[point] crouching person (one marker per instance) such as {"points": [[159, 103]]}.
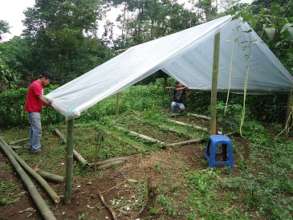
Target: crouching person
{"points": [[177, 104], [34, 103]]}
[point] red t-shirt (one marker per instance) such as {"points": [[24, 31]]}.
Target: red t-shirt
{"points": [[33, 102]]}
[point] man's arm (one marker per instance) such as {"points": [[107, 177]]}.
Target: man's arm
{"points": [[180, 88], [44, 100]]}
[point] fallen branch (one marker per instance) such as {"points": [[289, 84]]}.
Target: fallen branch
{"points": [[141, 136], [18, 141], [193, 141], [39, 201], [51, 176], [107, 206], [199, 116], [53, 195], [188, 125], [76, 155]]}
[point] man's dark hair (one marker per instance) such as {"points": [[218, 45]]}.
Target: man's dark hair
{"points": [[45, 75]]}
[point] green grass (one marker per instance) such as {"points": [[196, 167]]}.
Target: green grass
{"points": [[8, 193]]}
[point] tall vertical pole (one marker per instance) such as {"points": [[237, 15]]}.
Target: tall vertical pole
{"points": [[69, 162], [117, 103], [289, 116], [213, 108]]}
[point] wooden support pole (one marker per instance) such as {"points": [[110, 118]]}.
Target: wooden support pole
{"points": [[117, 103], [69, 162], [289, 116], [213, 107]]}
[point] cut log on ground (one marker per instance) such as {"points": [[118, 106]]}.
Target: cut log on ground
{"points": [[18, 141], [193, 141], [199, 116], [36, 197], [50, 176], [113, 215], [53, 195], [141, 136], [188, 125], [76, 155]]}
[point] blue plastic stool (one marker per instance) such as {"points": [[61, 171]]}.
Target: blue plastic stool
{"points": [[227, 151]]}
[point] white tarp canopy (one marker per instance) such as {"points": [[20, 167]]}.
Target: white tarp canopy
{"points": [[188, 57]]}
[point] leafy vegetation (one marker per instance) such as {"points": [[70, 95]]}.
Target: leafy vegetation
{"points": [[63, 37]]}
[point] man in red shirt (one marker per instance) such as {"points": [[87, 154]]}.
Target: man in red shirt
{"points": [[33, 105]]}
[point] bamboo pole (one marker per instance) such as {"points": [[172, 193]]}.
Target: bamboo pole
{"points": [[141, 136], [289, 117], [79, 158], [188, 125], [138, 148], [51, 176], [18, 141], [76, 155], [36, 197], [53, 195], [199, 116], [213, 109], [69, 162], [117, 103], [60, 135], [193, 141]]}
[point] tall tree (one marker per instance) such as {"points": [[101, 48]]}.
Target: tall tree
{"points": [[63, 37], [150, 19]]}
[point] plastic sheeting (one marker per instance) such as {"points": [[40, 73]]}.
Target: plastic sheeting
{"points": [[187, 56]]}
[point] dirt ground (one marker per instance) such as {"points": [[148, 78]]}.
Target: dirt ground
{"points": [[114, 183]]}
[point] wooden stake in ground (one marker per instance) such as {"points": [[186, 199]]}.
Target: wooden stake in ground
{"points": [[36, 197], [213, 108], [69, 162]]}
